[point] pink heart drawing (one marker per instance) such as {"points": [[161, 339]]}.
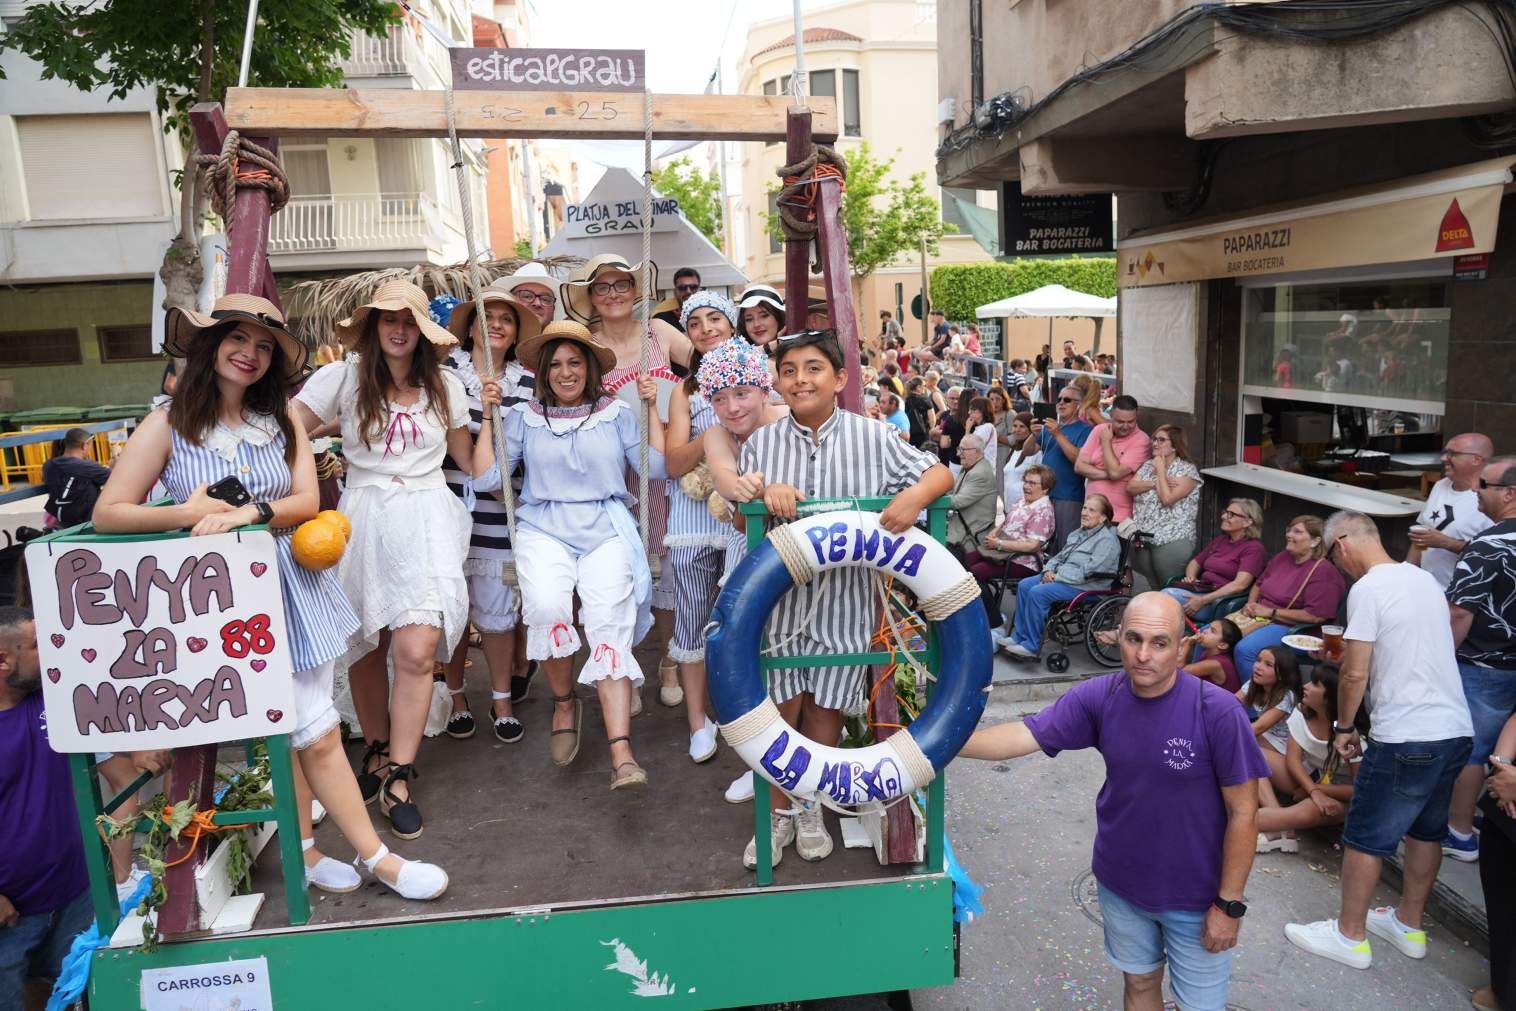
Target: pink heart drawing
{"points": [[53, 674], [274, 715], [258, 568], [88, 654], [57, 638], [195, 643], [258, 665]]}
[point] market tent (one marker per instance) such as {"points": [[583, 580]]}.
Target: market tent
{"points": [[1050, 300], [609, 221]]}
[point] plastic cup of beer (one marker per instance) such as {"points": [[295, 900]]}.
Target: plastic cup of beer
{"points": [[1331, 642]]}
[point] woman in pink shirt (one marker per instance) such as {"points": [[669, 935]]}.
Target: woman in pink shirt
{"points": [[1300, 586]]}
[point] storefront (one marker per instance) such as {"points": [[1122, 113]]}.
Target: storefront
{"points": [[1322, 334]]}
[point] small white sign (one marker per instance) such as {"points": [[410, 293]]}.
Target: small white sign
{"points": [[161, 643], [240, 985]]}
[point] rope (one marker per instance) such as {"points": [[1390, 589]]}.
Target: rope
{"points": [[750, 724], [241, 163], [951, 600], [199, 827], [644, 506], [912, 761], [797, 199], [792, 553], [497, 425]]}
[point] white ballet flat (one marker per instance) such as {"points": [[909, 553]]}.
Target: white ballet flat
{"points": [[417, 880]]}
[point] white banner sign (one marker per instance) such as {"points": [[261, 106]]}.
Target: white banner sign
{"points": [[161, 643], [618, 217], [237, 985]]}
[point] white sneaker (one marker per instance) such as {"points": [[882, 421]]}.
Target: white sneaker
{"points": [[1014, 648], [741, 789], [703, 743], [416, 880], [333, 876], [1324, 939], [124, 889], [781, 834], [812, 840], [1384, 922], [318, 812], [1283, 844]]}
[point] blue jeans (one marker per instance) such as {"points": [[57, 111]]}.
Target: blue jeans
{"points": [[1202, 616], [1138, 941], [1491, 694], [35, 946], [1403, 790], [1034, 599], [1245, 653]]}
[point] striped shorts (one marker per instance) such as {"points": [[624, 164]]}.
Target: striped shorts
{"points": [[696, 571]]}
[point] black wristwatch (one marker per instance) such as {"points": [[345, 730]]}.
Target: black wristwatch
{"points": [[265, 512], [1233, 908], [1336, 730]]}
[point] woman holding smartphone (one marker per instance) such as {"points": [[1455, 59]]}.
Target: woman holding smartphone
{"points": [[228, 426]]}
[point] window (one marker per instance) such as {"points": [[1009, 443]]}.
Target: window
{"points": [[126, 343], [306, 168], [776, 243], [771, 87], [39, 347], [951, 212], [824, 83], [399, 162], [852, 119], [67, 178]]}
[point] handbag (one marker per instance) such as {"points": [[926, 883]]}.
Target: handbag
{"points": [[1251, 623]]}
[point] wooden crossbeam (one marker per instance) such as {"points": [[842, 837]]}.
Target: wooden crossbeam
{"points": [[346, 112]]}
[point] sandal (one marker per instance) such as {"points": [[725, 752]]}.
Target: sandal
{"points": [[635, 776], [369, 782], [563, 745], [508, 729], [460, 722], [404, 815], [670, 694]]}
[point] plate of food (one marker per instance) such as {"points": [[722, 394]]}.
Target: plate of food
{"points": [[1304, 643]]}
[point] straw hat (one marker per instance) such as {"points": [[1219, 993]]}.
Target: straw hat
{"points": [[182, 326], [529, 351], [389, 297], [576, 290], [463, 314]]}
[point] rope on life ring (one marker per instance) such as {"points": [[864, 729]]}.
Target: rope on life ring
{"points": [[795, 554]]}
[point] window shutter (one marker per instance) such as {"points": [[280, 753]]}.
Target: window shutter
{"points": [[68, 176]]}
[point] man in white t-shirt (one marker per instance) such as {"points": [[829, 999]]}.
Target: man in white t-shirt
{"points": [[1399, 647], [1451, 517]]}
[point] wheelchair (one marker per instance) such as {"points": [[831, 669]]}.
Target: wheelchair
{"points": [[1093, 617]]}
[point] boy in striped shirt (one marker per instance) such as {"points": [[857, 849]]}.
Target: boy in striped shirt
{"points": [[820, 451]]}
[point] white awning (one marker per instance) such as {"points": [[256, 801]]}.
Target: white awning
{"points": [[1046, 302]]}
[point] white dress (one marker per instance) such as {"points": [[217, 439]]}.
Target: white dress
{"points": [[404, 563]]}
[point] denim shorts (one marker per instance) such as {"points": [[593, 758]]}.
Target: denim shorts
{"points": [[1403, 790], [35, 946], [1138, 941], [1491, 695]]}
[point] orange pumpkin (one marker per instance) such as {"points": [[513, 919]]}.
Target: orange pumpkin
{"points": [[318, 544]]}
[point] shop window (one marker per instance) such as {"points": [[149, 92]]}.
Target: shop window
{"points": [[39, 347], [126, 343]]}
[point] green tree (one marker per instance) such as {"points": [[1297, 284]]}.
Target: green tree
{"points": [[883, 217], [698, 193], [191, 53]]}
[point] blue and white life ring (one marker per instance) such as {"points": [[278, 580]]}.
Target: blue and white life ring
{"points": [[795, 553]]}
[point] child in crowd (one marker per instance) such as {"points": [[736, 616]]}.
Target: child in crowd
{"points": [[823, 452], [1320, 784], [1269, 698], [1215, 641]]}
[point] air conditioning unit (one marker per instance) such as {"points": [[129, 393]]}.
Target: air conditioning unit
{"points": [[945, 110]]}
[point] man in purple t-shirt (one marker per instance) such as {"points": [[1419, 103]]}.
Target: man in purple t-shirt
{"points": [[1176, 821]]}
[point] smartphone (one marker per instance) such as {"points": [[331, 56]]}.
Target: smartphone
{"points": [[229, 490], [1044, 412]]}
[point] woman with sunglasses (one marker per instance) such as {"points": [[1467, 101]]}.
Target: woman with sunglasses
{"points": [[1227, 566], [1059, 440]]}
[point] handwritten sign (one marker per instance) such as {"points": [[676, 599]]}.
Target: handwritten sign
{"points": [[550, 69], [161, 643], [234, 985], [618, 217]]}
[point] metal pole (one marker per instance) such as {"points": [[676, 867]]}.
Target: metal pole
{"points": [[926, 298], [526, 190], [800, 84], [247, 42], [726, 224]]}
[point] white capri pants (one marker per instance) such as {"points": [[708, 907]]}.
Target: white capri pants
{"points": [[549, 573], [491, 603], [315, 715]]}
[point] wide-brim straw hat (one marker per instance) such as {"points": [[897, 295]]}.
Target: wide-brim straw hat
{"points": [[463, 314], [576, 290], [392, 296], [529, 351], [182, 326]]}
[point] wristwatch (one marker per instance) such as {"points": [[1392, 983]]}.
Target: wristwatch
{"points": [[1233, 908], [265, 512], [1499, 760], [1342, 730]]}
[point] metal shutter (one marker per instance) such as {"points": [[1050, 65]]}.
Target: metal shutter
{"points": [[91, 166]]}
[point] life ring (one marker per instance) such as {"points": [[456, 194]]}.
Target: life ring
{"points": [[947, 596]]}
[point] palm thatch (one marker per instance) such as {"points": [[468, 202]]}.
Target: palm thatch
{"points": [[315, 307]]}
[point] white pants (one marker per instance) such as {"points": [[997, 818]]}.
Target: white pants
{"points": [[315, 715], [491, 603], [549, 573]]}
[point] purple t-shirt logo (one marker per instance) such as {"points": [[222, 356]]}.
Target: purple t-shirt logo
{"points": [[1178, 753]]}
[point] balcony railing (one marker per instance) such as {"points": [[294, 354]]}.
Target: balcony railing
{"points": [[398, 53], [364, 221]]}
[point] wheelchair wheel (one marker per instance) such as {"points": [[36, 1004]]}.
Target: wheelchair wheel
{"points": [[1102, 628], [1057, 662]]}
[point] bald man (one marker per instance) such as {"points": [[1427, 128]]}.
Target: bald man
{"points": [[1451, 517], [1176, 821]]}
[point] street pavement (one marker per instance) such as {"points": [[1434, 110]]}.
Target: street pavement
{"points": [[1024, 829]]}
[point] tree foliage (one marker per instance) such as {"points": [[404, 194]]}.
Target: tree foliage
{"points": [[126, 44], [698, 193], [884, 217], [958, 289]]}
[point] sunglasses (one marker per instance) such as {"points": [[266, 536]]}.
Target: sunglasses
{"points": [[686, 287], [1068, 400], [1487, 485], [532, 298], [621, 287]]}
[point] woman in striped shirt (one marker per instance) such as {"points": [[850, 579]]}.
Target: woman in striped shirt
{"points": [[229, 419]]}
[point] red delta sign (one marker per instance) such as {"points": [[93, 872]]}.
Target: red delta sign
{"points": [[1454, 232]]}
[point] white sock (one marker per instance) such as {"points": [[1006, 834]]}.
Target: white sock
{"points": [[1461, 837], [1345, 938], [306, 844], [1399, 923]]}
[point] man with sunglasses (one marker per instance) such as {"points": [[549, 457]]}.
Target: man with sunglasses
{"points": [[1451, 517], [1059, 440], [686, 283], [1484, 632]]}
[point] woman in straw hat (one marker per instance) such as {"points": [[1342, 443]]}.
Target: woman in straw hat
{"points": [[696, 540], [400, 412], [230, 419], [762, 314], [574, 533], [492, 603], [603, 294]]}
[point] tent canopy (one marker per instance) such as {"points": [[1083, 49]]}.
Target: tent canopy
{"points": [[1048, 301], [607, 221]]}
